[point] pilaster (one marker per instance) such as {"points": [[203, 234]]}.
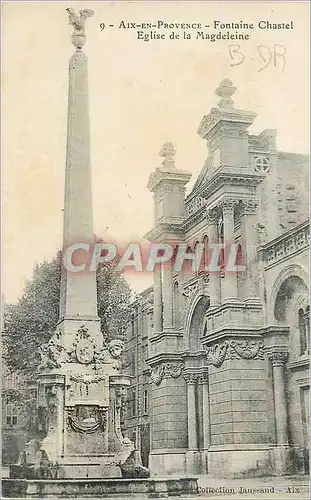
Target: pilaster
{"points": [[229, 283], [249, 248], [212, 217]]}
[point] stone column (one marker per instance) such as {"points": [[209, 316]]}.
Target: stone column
{"points": [[249, 250], [157, 300], [214, 276], [278, 359], [167, 293], [191, 379], [229, 283], [203, 381]]}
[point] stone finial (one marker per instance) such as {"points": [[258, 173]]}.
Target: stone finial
{"points": [[78, 22], [225, 91], [168, 152]]}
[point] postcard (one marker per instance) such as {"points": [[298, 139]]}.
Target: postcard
{"points": [[155, 283]]}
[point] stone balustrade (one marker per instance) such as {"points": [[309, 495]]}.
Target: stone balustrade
{"points": [[286, 245]]}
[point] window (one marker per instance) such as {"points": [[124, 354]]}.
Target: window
{"points": [[304, 326], [221, 241], [261, 164], [133, 364], [132, 328], [11, 415], [145, 401], [205, 260], [133, 404], [10, 380]]}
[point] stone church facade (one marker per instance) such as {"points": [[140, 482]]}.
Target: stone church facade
{"points": [[220, 360]]}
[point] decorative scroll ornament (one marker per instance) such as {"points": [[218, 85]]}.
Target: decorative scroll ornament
{"points": [[235, 349], [84, 348], [166, 370], [87, 419], [87, 379], [199, 286], [157, 374], [216, 354], [195, 204], [248, 349]]}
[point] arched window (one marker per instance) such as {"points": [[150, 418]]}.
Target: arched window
{"points": [[240, 261], [197, 263], [187, 265]]}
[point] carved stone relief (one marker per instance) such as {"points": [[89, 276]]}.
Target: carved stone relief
{"points": [[234, 349], [166, 370]]}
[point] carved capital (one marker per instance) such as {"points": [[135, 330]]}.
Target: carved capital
{"points": [[191, 377], [203, 378], [227, 206], [249, 207], [277, 357], [212, 217]]}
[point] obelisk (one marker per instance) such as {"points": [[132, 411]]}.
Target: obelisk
{"points": [[78, 296]]}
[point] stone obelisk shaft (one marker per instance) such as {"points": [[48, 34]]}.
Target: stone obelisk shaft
{"points": [[78, 298]]}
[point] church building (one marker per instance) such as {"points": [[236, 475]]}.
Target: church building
{"points": [[219, 360]]}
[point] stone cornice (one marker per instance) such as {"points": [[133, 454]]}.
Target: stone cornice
{"points": [[167, 175], [165, 230], [166, 357], [222, 116], [300, 364], [234, 332], [275, 330], [226, 174], [160, 335], [239, 304], [194, 218]]}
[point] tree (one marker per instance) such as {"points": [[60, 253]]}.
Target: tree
{"points": [[32, 321]]}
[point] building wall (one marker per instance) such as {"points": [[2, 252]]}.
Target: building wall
{"points": [[137, 412], [230, 373]]}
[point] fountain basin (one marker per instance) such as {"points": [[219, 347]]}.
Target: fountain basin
{"points": [[155, 487]]}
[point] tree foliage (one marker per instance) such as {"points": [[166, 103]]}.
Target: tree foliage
{"points": [[32, 321]]}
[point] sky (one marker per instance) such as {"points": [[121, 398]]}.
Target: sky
{"points": [[142, 94]]}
